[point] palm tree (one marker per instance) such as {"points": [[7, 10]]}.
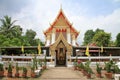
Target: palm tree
{"points": [[7, 28]]}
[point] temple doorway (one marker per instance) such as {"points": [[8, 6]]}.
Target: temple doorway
{"points": [[60, 54]]}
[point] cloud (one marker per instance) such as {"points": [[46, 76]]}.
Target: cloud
{"points": [[38, 14], [110, 23]]}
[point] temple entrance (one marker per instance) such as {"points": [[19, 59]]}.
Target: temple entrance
{"points": [[61, 55]]}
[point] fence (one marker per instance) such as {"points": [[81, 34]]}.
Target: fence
{"points": [[26, 60]]}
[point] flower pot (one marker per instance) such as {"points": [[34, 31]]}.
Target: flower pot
{"points": [[108, 75], [17, 74], [98, 75], [9, 74], [24, 75], [44, 67], [75, 67], [1, 73], [88, 76], [79, 69], [33, 75], [84, 72]]}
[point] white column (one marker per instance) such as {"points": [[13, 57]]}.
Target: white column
{"points": [[68, 36], [73, 40], [53, 36], [48, 40]]}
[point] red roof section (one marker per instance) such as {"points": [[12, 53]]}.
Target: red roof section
{"points": [[68, 23]]}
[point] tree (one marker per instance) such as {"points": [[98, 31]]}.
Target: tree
{"points": [[30, 36], [7, 27], [88, 36], [102, 38], [118, 40]]}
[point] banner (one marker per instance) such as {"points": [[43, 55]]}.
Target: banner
{"points": [[22, 49], [101, 49], [39, 49], [87, 51]]}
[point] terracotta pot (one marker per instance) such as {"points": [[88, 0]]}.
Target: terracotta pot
{"points": [[9, 74], [88, 76], [79, 69], [24, 75], [33, 75], [84, 72], [44, 67], [17, 74], [75, 67], [108, 75], [1, 73], [98, 75]]}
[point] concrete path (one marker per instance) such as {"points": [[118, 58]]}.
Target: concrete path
{"points": [[60, 73]]}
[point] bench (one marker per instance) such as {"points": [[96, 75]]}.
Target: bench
{"points": [[117, 76]]}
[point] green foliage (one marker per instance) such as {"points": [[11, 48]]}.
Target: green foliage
{"points": [[24, 70], [10, 68], [35, 62], [75, 63], [102, 38], [116, 69], [40, 62], [11, 35], [98, 36], [108, 66], [118, 40], [88, 36], [17, 68], [81, 65], [8, 27], [1, 67], [98, 68], [88, 68]]}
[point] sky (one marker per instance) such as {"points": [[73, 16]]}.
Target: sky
{"points": [[84, 14]]}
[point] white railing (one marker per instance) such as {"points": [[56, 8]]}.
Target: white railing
{"points": [[21, 60], [97, 57], [26, 60]]}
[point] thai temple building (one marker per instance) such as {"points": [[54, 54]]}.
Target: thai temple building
{"points": [[61, 48], [60, 38]]}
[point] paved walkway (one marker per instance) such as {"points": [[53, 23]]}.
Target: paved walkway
{"points": [[60, 73]]}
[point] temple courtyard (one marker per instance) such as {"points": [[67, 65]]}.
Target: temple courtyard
{"points": [[59, 73]]}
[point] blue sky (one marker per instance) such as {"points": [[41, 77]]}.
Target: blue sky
{"points": [[84, 14]]}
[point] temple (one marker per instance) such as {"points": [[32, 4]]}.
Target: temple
{"points": [[60, 38]]}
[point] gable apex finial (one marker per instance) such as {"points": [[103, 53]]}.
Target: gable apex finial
{"points": [[60, 6]]}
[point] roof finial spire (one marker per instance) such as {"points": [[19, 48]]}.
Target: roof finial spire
{"points": [[60, 6]]}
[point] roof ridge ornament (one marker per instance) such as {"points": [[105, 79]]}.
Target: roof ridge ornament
{"points": [[61, 7]]}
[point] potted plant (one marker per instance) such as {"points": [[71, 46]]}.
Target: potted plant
{"points": [[115, 69], [33, 71], [98, 69], [40, 63], [75, 65], [108, 66], [1, 70], [9, 70], [17, 71], [89, 72], [24, 74], [88, 69]]}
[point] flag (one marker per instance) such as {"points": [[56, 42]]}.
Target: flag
{"points": [[101, 49], [39, 49], [22, 49], [87, 51]]}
